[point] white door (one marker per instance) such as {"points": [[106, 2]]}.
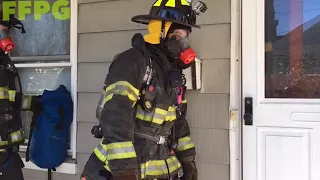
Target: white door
{"points": [[281, 73]]}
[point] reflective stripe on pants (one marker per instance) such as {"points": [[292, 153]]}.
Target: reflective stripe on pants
{"points": [[160, 167]]}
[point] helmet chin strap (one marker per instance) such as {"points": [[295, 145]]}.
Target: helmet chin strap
{"points": [[162, 33], [163, 38]]}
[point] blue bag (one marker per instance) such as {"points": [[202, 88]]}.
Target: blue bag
{"points": [[49, 130]]}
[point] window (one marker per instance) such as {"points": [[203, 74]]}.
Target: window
{"points": [[292, 60], [46, 56]]}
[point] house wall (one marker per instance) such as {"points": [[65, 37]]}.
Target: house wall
{"points": [[104, 31]]}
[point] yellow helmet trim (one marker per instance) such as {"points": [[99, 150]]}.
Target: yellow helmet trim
{"points": [[185, 3], [171, 3], [157, 3]]}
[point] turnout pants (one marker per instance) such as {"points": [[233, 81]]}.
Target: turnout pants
{"points": [[94, 170], [11, 166]]}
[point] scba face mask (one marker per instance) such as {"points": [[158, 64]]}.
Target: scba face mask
{"points": [[6, 42], [179, 48]]}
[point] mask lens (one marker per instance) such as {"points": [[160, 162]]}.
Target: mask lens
{"points": [[179, 47], [180, 34], [184, 43], [179, 38]]}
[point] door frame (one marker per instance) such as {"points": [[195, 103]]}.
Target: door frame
{"points": [[235, 106]]}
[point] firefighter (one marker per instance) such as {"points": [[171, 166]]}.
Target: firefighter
{"points": [[11, 134], [142, 110]]}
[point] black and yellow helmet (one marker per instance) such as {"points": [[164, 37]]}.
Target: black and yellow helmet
{"points": [[175, 11]]}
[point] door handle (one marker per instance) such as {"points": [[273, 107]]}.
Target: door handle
{"points": [[248, 112]]}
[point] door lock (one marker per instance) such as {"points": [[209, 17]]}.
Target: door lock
{"points": [[248, 112]]}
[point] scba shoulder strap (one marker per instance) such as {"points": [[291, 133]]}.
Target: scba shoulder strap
{"points": [[148, 93]]}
